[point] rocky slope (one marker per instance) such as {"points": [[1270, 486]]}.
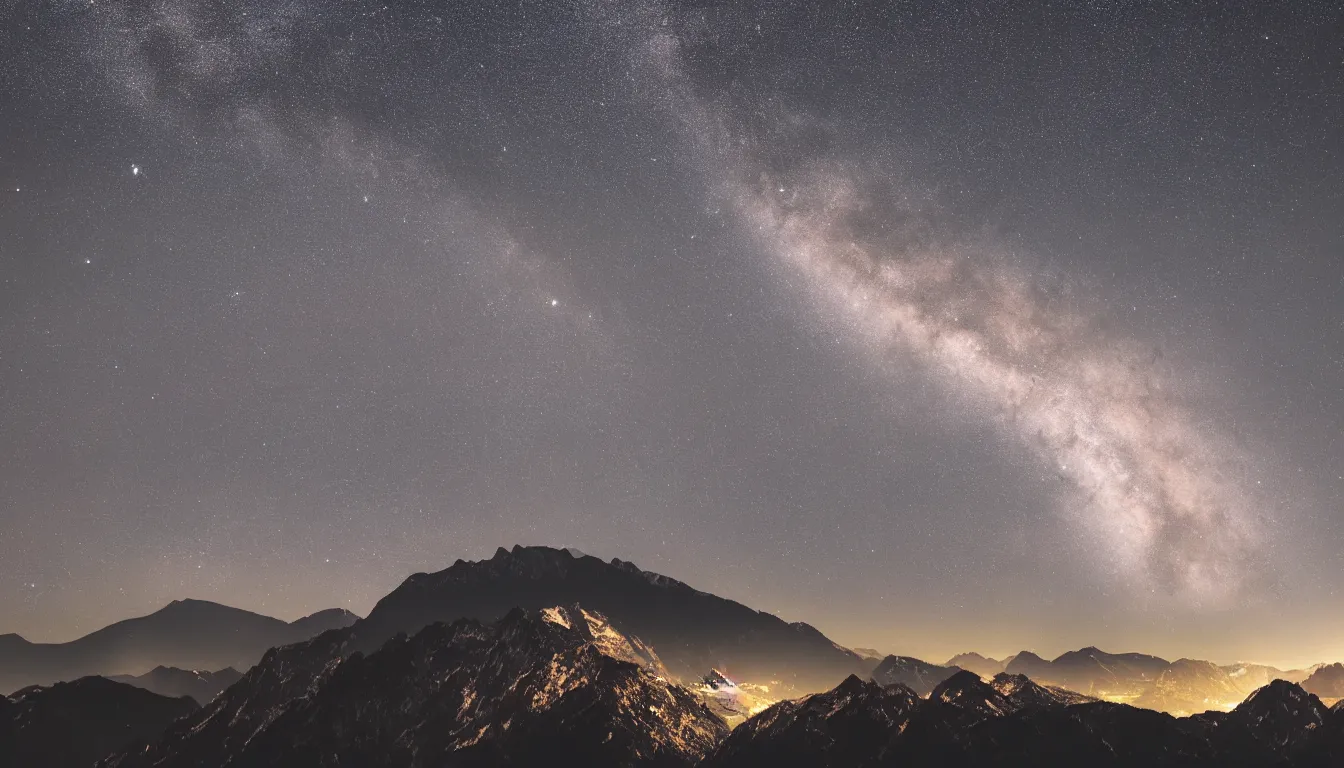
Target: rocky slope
{"points": [[551, 686]]}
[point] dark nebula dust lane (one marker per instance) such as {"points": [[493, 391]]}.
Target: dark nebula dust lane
{"points": [[1024, 323]]}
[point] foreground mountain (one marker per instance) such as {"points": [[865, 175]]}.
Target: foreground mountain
{"points": [[557, 686], [189, 634], [980, 665], [74, 724], [175, 683], [692, 630], [1014, 722], [919, 676]]}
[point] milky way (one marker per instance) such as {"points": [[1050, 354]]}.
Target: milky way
{"points": [[1163, 497], [919, 323]]}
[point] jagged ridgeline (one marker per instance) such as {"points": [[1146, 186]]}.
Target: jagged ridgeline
{"points": [[693, 631], [538, 686]]}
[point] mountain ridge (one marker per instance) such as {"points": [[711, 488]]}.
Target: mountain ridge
{"points": [[187, 634]]}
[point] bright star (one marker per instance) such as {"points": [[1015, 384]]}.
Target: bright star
{"points": [[135, 169], [554, 302]]}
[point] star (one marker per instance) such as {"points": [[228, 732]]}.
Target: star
{"points": [[135, 169]]}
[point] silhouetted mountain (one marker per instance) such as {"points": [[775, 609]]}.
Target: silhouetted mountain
{"points": [[551, 687], [917, 675], [189, 634], [967, 722], [1327, 681], [175, 683], [980, 665], [692, 630], [1093, 671], [1026, 663], [837, 728], [74, 724]]}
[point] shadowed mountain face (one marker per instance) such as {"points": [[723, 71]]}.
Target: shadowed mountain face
{"points": [[202, 687], [1013, 722], [1327, 681], [557, 686], [692, 630], [189, 634], [75, 724], [919, 676]]}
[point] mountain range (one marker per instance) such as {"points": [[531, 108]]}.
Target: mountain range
{"points": [[189, 634], [474, 666], [1013, 722]]}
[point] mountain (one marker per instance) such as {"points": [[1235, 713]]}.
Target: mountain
{"points": [[869, 653], [1327, 681], [837, 728], [74, 724], [692, 630], [980, 665], [1027, 663], [189, 634], [556, 686], [1190, 686], [1092, 671], [202, 687], [1010, 722], [1025, 693], [919, 676], [732, 701]]}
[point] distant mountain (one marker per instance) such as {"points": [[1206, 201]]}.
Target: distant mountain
{"points": [[733, 702], [869, 653], [692, 630], [72, 725], [1092, 671], [980, 665], [919, 676], [202, 687], [189, 634], [1189, 686], [1013, 722], [1327, 681], [557, 686]]}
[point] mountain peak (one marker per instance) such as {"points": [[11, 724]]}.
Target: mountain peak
{"points": [[692, 630]]}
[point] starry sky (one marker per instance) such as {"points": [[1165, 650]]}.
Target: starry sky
{"points": [[942, 327]]}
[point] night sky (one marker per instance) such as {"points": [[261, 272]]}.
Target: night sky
{"points": [[987, 327]]}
